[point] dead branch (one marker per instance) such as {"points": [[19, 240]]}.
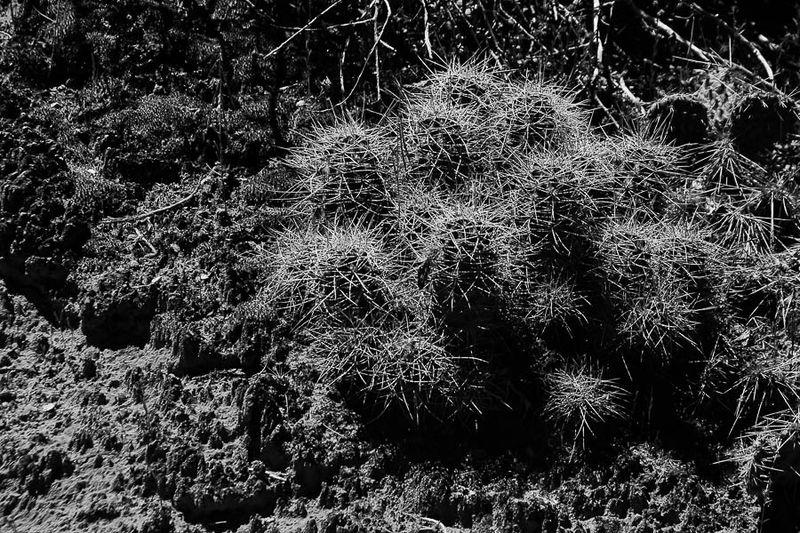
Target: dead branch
{"points": [[638, 102], [378, 35], [516, 23], [426, 22], [276, 476], [301, 30], [50, 20], [141, 238], [739, 36], [160, 210], [607, 112], [374, 49], [598, 43], [669, 32], [490, 29], [341, 64]]}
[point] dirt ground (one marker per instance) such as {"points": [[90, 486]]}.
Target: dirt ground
{"points": [[111, 440]]}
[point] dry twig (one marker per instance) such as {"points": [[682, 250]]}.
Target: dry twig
{"points": [[160, 210], [739, 36], [670, 32], [301, 30]]}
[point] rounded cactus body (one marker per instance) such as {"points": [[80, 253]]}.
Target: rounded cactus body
{"points": [[759, 121], [682, 118]]}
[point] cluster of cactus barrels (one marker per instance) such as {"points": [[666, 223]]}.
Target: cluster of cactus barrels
{"points": [[485, 248]]}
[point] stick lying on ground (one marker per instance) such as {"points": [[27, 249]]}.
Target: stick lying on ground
{"points": [[160, 210]]}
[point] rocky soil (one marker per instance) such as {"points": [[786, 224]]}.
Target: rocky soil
{"points": [[109, 439]]}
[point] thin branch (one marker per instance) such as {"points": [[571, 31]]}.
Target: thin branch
{"points": [[598, 43], [351, 24], [629, 94], [377, 36], [516, 23], [276, 476], [426, 22], [160, 210], [490, 29], [140, 237], [341, 64], [607, 112], [301, 30], [667, 30], [43, 15], [738, 36], [440, 527], [373, 50]]}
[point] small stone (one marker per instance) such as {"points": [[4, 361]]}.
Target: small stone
{"points": [[7, 396]]}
